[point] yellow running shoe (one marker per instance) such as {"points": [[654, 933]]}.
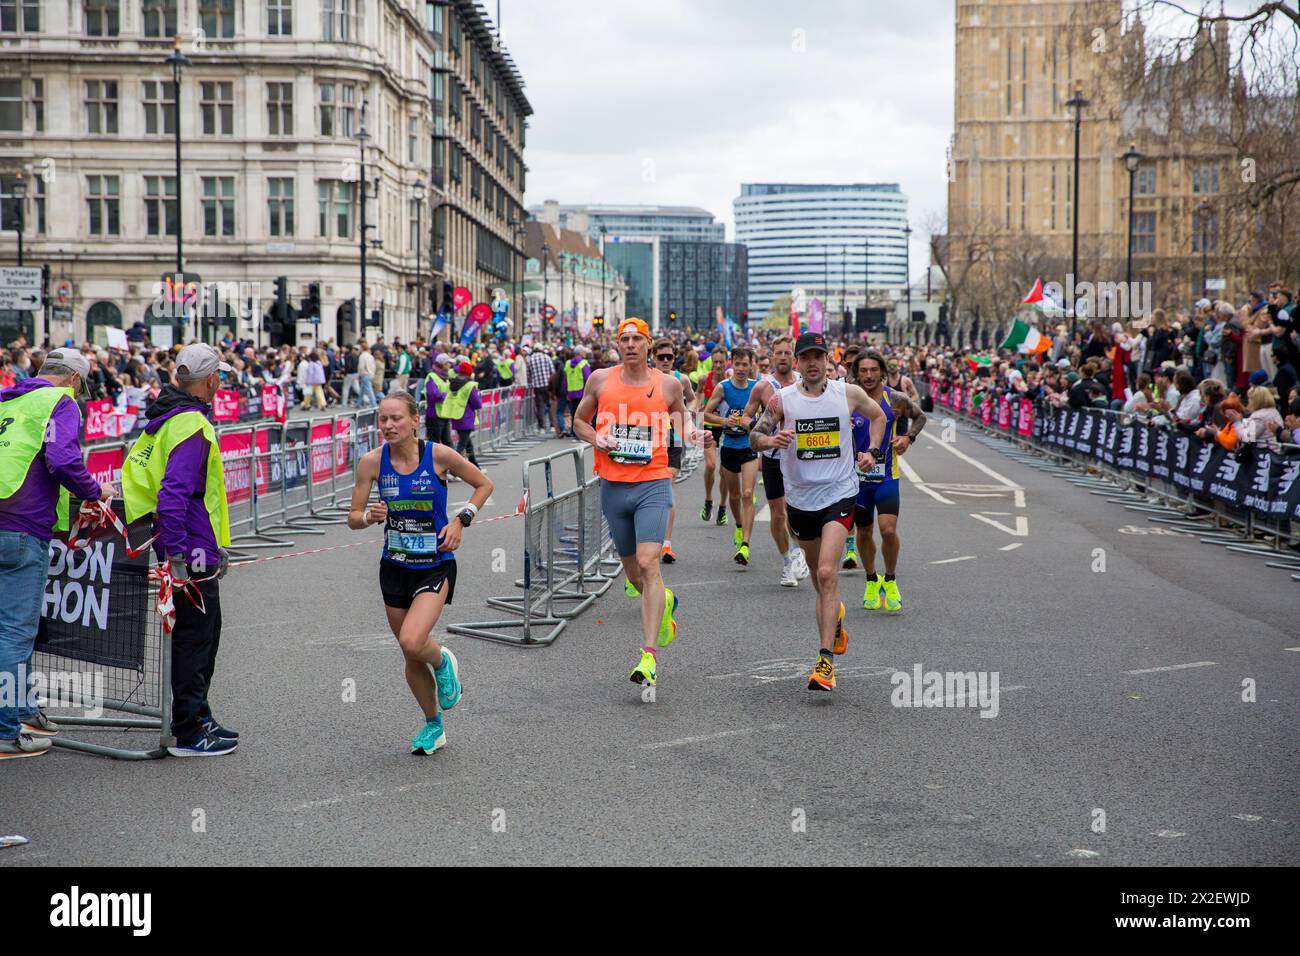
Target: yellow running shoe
{"points": [[871, 599], [893, 603], [741, 556], [738, 537], [841, 636], [645, 671], [630, 589], [668, 625], [823, 675]]}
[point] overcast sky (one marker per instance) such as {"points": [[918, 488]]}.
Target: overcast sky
{"points": [[678, 102]]}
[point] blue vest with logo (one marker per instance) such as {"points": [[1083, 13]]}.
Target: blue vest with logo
{"points": [[417, 512]]}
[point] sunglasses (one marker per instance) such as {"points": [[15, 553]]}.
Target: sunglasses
{"points": [[665, 357]]}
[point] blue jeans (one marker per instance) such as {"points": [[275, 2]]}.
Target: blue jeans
{"points": [[367, 392], [24, 564]]}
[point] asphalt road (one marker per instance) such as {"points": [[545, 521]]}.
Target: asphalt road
{"points": [[553, 757]]}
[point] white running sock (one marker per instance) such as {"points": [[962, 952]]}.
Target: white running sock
{"points": [[667, 543]]}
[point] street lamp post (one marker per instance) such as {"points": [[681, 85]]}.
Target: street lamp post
{"points": [[604, 302], [177, 59], [560, 265], [362, 136], [866, 273], [419, 265], [1077, 103], [546, 289], [20, 193], [844, 282], [1203, 213], [907, 274], [1131, 160]]}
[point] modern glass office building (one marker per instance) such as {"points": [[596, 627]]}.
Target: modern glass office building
{"points": [[822, 238], [665, 222], [690, 279]]}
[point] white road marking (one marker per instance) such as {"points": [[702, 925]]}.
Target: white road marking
{"points": [[1021, 530], [1291, 648], [363, 795], [701, 738], [1020, 498], [910, 473], [697, 584], [965, 557], [764, 515], [1083, 854], [947, 446], [1248, 817], [1171, 834], [1172, 667], [1011, 547]]}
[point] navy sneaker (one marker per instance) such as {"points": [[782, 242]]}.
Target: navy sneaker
{"points": [[205, 746], [210, 726]]}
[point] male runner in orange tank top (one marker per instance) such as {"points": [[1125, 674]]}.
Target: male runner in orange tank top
{"points": [[633, 405]]}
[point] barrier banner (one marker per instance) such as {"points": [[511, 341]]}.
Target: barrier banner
{"points": [[97, 604], [1025, 419], [1287, 501], [321, 453], [267, 442], [986, 409], [1004, 413], [342, 446], [97, 415], [105, 464], [273, 402], [225, 406], [1162, 454], [237, 463], [1143, 449], [1124, 452], [956, 398], [296, 437]]}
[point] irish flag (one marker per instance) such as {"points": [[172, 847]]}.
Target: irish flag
{"points": [[1023, 337]]}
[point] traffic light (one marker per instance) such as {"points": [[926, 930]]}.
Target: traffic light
{"points": [[448, 296], [311, 302], [672, 316], [744, 319]]}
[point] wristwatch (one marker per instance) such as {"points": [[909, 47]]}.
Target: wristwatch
{"points": [[465, 516]]}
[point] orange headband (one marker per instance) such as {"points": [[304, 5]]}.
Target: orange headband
{"points": [[637, 325]]}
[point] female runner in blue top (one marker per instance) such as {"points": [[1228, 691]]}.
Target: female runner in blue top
{"points": [[417, 571]]}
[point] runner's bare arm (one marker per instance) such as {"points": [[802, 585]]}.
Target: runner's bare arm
{"points": [[866, 406], [905, 407], [359, 516], [715, 399], [675, 399], [767, 433], [448, 459], [587, 409], [758, 396]]}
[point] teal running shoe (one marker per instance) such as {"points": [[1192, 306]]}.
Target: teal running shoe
{"points": [[448, 678], [431, 737]]}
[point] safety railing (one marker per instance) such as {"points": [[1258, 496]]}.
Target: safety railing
{"points": [[565, 539], [1246, 498]]}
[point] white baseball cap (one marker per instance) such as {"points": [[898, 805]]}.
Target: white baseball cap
{"points": [[199, 361], [73, 361]]}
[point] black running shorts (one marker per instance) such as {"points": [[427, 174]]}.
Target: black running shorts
{"points": [[773, 479], [400, 586], [807, 525]]}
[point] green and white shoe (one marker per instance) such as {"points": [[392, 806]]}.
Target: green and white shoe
{"points": [[630, 589], [871, 599], [448, 679], [431, 737]]}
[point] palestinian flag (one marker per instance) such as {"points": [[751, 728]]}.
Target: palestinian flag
{"points": [[1023, 337], [1035, 297], [976, 362]]}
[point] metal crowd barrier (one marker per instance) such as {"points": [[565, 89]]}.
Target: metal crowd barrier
{"points": [[565, 540], [1163, 498]]}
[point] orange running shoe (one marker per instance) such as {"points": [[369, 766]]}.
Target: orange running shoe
{"points": [[823, 675], [841, 636], [667, 556]]}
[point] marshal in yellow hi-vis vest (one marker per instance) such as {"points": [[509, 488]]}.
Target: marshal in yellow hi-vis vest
{"points": [[573, 375], [145, 466], [23, 424], [453, 406], [441, 384]]}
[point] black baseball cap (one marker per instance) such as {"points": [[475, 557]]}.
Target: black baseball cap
{"points": [[810, 341]]}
